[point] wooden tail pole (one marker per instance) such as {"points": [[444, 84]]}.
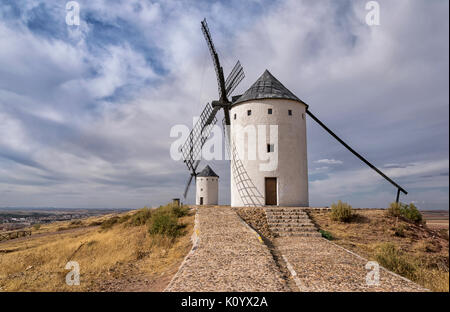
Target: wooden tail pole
{"points": [[399, 188], [398, 196]]}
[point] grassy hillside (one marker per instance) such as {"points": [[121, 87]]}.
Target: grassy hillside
{"points": [[124, 252], [412, 250]]}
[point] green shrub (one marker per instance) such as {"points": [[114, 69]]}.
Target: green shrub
{"points": [[95, 223], [164, 224], [124, 218], [36, 226], [394, 209], [180, 211], [326, 234], [141, 217], [392, 259], [107, 224], [409, 212], [341, 212]]}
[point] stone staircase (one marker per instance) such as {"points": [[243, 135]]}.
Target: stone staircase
{"points": [[290, 221]]}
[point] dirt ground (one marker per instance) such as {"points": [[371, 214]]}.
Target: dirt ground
{"points": [[121, 258], [370, 228]]}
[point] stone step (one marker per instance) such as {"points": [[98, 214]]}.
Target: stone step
{"points": [[284, 208], [301, 229], [289, 224], [293, 226], [300, 234], [286, 213], [288, 218]]}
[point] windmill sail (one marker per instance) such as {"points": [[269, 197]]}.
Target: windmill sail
{"points": [[215, 57], [194, 174], [192, 148], [234, 78]]}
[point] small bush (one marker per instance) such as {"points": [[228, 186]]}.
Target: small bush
{"points": [[76, 223], [394, 210], [95, 223], [425, 246], [141, 217], [107, 224], [124, 218], [341, 212], [326, 234], [392, 259], [165, 224], [36, 226], [180, 211], [409, 212]]}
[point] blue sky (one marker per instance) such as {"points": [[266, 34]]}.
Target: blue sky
{"points": [[86, 111]]}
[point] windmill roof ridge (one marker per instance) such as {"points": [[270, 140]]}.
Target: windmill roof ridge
{"points": [[207, 172], [267, 87]]}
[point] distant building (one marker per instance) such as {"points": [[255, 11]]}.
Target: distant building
{"points": [[207, 187]]}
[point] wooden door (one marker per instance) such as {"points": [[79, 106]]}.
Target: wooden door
{"points": [[271, 191], [201, 200]]}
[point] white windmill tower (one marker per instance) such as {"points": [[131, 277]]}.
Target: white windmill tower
{"points": [[268, 106], [266, 103], [207, 187]]}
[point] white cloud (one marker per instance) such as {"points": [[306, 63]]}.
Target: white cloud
{"points": [[329, 161], [368, 84]]}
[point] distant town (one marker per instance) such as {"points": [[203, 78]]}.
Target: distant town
{"points": [[17, 218]]}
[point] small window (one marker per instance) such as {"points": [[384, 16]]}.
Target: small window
{"points": [[201, 190], [290, 112], [234, 116], [270, 148], [269, 111], [249, 112]]}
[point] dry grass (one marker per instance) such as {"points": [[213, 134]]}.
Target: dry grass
{"points": [[425, 251], [121, 258]]}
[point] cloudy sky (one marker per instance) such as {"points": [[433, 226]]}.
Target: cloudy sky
{"points": [[86, 111]]}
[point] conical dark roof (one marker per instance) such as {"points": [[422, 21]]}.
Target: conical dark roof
{"points": [[207, 172], [267, 87]]}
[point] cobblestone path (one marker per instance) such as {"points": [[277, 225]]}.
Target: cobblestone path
{"points": [[228, 257], [323, 266]]}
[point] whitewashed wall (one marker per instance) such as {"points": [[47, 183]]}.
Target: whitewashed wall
{"points": [[292, 170], [208, 188]]}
